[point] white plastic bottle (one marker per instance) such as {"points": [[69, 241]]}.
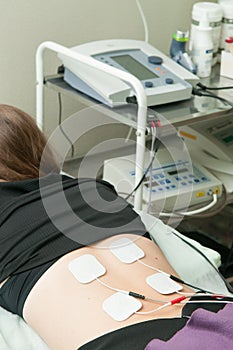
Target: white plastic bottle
{"points": [[214, 12], [227, 21], [202, 47]]}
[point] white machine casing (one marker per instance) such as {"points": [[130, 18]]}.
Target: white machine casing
{"points": [[176, 185], [113, 91], [210, 143]]}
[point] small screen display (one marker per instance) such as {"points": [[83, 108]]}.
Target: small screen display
{"points": [[134, 67], [177, 172]]}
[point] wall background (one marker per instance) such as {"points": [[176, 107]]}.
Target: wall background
{"points": [[25, 24]]}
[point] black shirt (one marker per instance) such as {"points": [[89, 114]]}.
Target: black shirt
{"points": [[42, 219]]}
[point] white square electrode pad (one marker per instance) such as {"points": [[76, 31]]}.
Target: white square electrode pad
{"points": [[163, 284], [120, 306], [126, 251], [86, 268]]}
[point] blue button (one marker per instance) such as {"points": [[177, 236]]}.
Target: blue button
{"points": [[183, 183], [160, 189], [190, 182], [155, 60], [204, 178], [162, 176], [196, 180], [173, 186], [185, 177], [178, 178], [153, 190], [148, 84], [168, 187], [156, 177], [162, 182], [168, 181], [191, 175], [169, 81]]}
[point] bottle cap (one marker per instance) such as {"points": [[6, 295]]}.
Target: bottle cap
{"points": [[204, 21], [214, 11], [181, 36], [229, 40]]}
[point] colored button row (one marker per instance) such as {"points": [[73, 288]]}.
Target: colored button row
{"points": [[149, 84], [160, 189]]}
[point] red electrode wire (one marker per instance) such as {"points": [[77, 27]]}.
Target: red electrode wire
{"points": [[178, 300]]}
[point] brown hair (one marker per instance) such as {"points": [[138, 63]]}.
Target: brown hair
{"points": [[21, 147]]}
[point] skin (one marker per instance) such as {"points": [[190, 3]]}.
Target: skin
{"points": [[68, 314]]}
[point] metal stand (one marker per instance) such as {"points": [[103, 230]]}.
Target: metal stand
{"points": [[128, 78]]}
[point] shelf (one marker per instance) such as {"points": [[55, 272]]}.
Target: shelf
{"points": [[172, 115], [180, 113]]}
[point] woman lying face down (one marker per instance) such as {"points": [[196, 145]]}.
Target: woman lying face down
{"points": [[62, 240]]}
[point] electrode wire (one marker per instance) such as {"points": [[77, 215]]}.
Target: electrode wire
{"points": [[153, 132], [172, 302], [208, 301], [182, 301], [155, 144], [152, 267], [206, 93], [174, 278], [204, 87], [227, 284], [61, 127], [130, 293], [151, 311]]}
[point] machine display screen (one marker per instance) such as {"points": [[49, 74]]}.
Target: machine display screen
{"points": [[134, 67]]}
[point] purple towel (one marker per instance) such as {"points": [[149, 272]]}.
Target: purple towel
{"points": [[205, 330]]}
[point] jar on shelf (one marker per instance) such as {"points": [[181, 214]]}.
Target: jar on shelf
{"points": [[214, 13]]}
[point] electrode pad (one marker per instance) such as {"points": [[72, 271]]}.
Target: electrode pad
{"points": [[163, 284], [126, 251], [120, 306], [86, 268]]}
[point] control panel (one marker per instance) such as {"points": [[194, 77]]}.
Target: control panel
{"points": [[173, 184], [164, 80]]}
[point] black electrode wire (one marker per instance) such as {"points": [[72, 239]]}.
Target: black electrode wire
{"points": [[60, 124], [179, 280], [142, 179], [211, 94], [227, 284], [204, 87], [205, 93], [130, 293], [153, 131], [165, 303], [175, 278], [156, 147]]}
